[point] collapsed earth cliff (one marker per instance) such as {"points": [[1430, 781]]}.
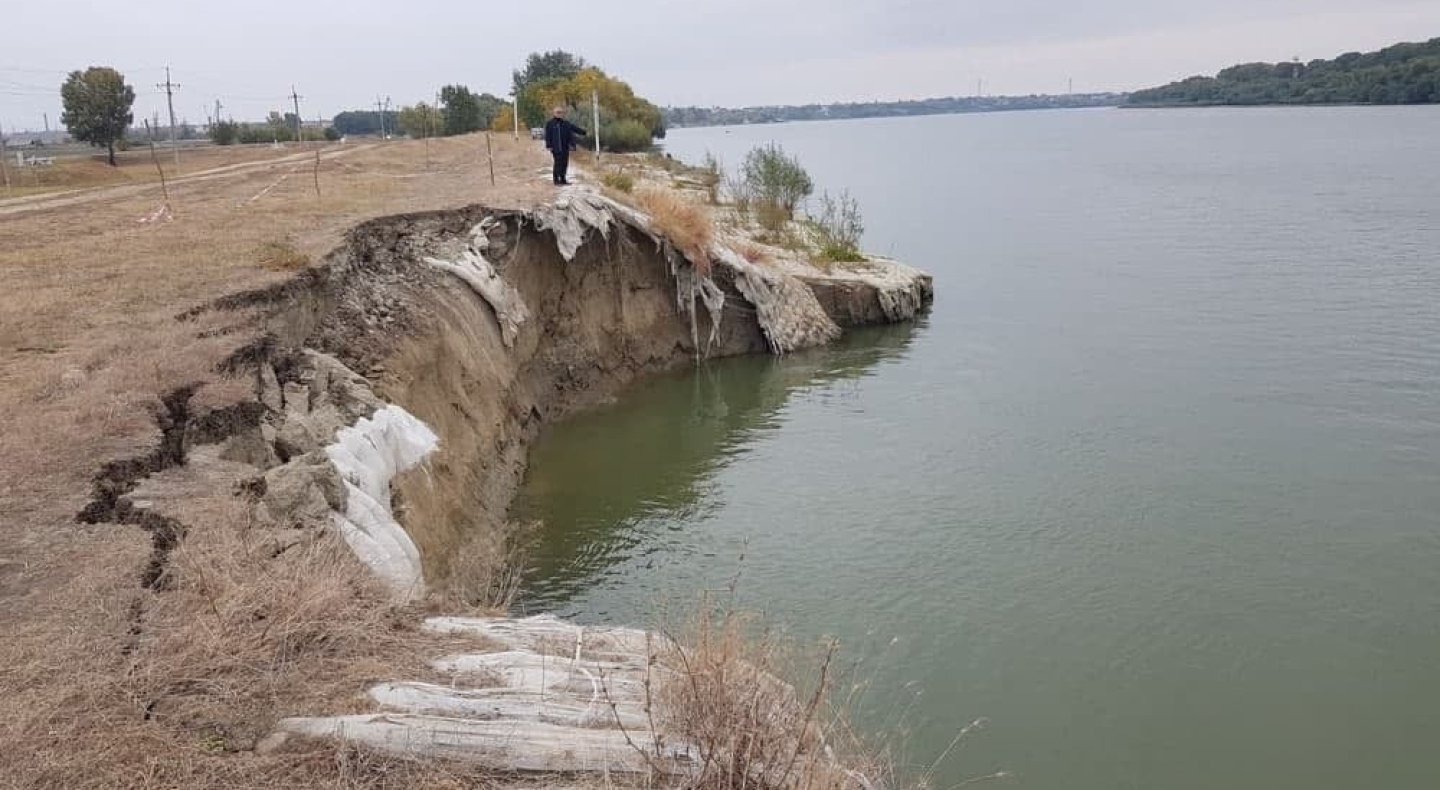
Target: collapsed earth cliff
{"points": [[398, 385]]}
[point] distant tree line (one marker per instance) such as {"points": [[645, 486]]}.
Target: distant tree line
{"points": [[365, 121], [718, 116], [277, 128], [1399, 74]]}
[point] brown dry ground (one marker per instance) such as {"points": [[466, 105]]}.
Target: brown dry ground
{"points": [[133, 167], [104, 683]]}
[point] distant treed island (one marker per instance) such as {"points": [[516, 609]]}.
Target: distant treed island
{"points": [[1398, 74]]}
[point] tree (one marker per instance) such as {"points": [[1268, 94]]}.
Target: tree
{"points": [[503, 121], [1402, 73], [461, 109], [225, 132], [420, 120], [555, 65], [490, 106], [97, 106], [627, 122], [464, 112], [364, 121]]}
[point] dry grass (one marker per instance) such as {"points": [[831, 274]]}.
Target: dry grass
{"points": [[174, 689], [689, 226], [618, 180], [109, 684], [90, 169], [281, 256], [722, 692]]}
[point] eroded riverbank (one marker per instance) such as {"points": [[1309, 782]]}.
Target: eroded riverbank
{"points": [[398, 386]]}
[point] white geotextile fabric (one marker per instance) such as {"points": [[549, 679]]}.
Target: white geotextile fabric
{"points": [[368, 455], [786, 309]]}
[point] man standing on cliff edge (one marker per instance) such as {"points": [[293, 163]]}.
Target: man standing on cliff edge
{"points": [[560, 138]]}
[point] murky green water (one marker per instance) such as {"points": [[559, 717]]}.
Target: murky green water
{"points": [[1156, 488]]}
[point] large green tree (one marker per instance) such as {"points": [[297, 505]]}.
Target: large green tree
{"points": [[97, 107], [554, 65], [460, 108], [627, 122], [463, 111]]}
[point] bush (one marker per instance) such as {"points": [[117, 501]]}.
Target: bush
{"points": [[776, 178], [772, 216], [265, 133], [740, 198], [618, 179], [225, 133], [839, 228], [624, 136], [332, 134], [710, 175]]}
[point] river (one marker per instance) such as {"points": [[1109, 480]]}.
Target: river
{"points": [[1155, 488]]}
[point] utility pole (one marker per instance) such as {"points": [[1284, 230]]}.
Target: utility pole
{"points": [[295, 97], [380, 108], [47, 123], [218, 107], [595, 119], [170, 102], [515, 111]]}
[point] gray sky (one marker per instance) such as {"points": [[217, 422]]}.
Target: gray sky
{"points": [[743, 52]]}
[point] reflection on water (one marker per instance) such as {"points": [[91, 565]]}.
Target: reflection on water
{"points": [[607, 485]]}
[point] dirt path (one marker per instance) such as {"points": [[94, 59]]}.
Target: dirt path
{"points": [[75, 197]]}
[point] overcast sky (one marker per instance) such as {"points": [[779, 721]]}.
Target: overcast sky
{"points": [[743, 52]]}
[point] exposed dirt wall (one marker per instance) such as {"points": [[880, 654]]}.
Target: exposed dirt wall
{"points": [[430, 344]]}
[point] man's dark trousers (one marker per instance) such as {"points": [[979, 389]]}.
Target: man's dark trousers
{"points": [[562, 163]]}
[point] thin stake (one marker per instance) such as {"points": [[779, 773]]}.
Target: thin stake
{"points": [[490, 149], [317, 172], [164, 189]]}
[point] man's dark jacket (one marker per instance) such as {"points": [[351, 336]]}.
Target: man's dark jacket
{"points": [[560, 134]]}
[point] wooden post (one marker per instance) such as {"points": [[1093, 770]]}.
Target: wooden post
{"points": [[317, 172], [164, 189], [595, 121], [4, 168], [490, 149]]}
